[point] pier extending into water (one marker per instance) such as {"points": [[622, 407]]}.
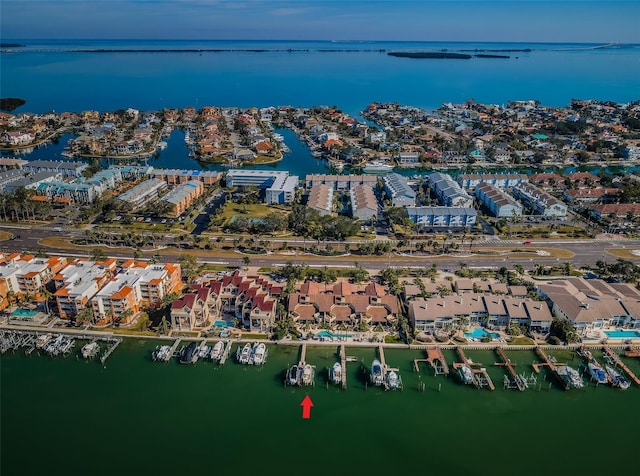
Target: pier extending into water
{"points": [[547, 362], [506, 362], [619, 363], [172, 350], [343, 363], [225, 352], [480, 376], [115, 342], [436, 359], [633, 352]]}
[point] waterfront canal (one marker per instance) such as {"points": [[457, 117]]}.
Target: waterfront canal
{"points": [[67, 416]]}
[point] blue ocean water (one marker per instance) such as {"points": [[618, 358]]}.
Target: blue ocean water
{"points": [[56, 76], [74, 76]]}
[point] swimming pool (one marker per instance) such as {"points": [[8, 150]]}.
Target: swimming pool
{"points": [[330, 335], [622, 334], [24, 313], [479, 333], [223, 324]]}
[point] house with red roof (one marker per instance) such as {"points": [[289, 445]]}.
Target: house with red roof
{"points": [[343, 304]]}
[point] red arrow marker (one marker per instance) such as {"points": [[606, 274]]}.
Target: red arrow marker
{"points": [[306, 407]]}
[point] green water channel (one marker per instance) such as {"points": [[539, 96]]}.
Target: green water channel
{"points": [[67, 416]]}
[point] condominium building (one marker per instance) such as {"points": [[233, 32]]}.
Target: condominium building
{"points": [[428, 218], [471, 181], [25, 275], [182, 196], [448, 191], [341, 183], [77, 283], [542, 202], [143, 193], [364, 205], [321, 199], [399, 191], [67, 168], [279, 186], [499, 203], [139, 285], [177, 176]]}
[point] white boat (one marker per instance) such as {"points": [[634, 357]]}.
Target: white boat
{"points": [[216, 352], [377, 167], [376, 376], [259, 354], [575, 379], [569, 376], [161, 352], [42, 340], [162, 145], [90, 350], [243, 354], [307, 375], [597, 372], [335, 373], [466, 375], [204, 351], [392, 381], [617, 378]]}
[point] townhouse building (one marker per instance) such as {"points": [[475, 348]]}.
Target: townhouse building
{"points": [[498, 202], [398, 190]]}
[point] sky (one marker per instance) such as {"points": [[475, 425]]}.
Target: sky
{"points": [[595, 21]]}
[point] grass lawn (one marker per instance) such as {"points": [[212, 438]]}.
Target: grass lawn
{"points": [[521, 341], [254, 210], [255, 336], [623, 253]]}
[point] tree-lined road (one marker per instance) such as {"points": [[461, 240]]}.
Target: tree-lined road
{"points": [[586, 252]]}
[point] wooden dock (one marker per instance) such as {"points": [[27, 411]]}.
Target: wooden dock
{"points": [[109, 351], [547, 362], [633, 352], [225, 353], [303, 353], [436, 359], [482, 378], [172, 350], [506, 362], [619, 363], [343, 363], [383, 361]]}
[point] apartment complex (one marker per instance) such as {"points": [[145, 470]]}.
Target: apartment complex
{"points": [[498, 202], [364, 205], [320, 199], [182, 196], [399, 191], [143, 193], [434, 218], [448, 191]]}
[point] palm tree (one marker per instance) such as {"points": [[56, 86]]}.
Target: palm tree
{"points": [[45, 294]]}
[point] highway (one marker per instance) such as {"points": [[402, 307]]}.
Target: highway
{"points": [[587, 252]]}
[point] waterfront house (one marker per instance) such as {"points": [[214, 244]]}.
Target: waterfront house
{"points": [[342, 303]]}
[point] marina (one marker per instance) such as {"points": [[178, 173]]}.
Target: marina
{"points": [[513, 380], [435, 358], [614, 360], [468, 375], [301, 374], [131, 374]]}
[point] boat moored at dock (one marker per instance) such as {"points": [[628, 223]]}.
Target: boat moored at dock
{"points": [[217, 351], [392, 381], [189, 354], [376, 376], [243, 354], [466, 375], [335, 373], [90, 350], [597, 373], [570, 376], [293, 375], [617, 379], [258, 354]]}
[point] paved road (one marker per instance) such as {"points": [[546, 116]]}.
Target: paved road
{"points": [[587, 252]]}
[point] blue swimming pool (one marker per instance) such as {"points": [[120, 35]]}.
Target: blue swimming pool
{"points": [[622, 334], [479, 333], [24, 313], [223, 324], [330, 335]]}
